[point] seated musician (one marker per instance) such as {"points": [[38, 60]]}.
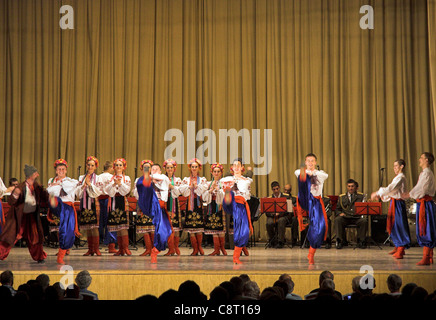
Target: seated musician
{"points": [[276, 222], [345, 215]]}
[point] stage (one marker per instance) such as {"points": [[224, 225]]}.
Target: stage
{"points": [[126, 278]]}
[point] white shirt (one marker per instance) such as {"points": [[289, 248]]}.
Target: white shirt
{"points": [[185, 187], [317, 180], [425, 186], [93, 190], [29, 201], [243, 184], [208, 195], [111, 189], [67, 184], [2, 188], [103, 179], [397, 187], [161, 186]]}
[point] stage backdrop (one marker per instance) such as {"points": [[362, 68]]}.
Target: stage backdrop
{"points": [[305, 72]]}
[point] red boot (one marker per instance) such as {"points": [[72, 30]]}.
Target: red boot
{"points": [[245, 251], [171, 250], [194, 245], [311, 255], [97, 246], [148, 245], [222, 245], [61, 255], [120, 251], [154, 253], [425, 261], [399, 254], [216, 247], [393, 251], [176, 245], [431, 255], [236, 255], [199, 241], [111, 248], [90, 251], [126, 245]]}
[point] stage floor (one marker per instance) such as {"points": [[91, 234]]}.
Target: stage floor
{"points": [[135, 275]]}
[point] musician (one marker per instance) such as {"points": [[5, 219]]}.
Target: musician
{"points": [[345, 215], [275, 221], [294, 219]]}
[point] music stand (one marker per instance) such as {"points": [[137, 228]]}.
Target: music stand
{"points": [[368, 209], [273, 205]]}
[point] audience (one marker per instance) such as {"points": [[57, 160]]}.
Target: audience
{"points": [[83, 281], [290, 295], [7, 281], [323, 276], [394, 284], [237, 288]]}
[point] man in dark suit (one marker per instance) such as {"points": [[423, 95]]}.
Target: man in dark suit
{"points": [[276, 222], [294, 220], [345, 215]]}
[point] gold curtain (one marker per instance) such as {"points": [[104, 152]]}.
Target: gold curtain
{"points": [[130, 70]]}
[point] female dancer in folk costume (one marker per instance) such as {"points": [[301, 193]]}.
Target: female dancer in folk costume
{"points": [[397, 224], [173, 208], [144, 224], [108, 238], [215, 217], [310, 184], [193, 187], [423, 193], [62, 191], [152, 190], [89, 215], [236, 191], [118, 218]]}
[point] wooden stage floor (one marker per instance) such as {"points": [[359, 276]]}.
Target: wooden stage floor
{"points": [[130, 277]]}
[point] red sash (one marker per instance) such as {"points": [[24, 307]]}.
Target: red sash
{"points": [[422, 219], [391, 216], [241, 200], [325, 215]]}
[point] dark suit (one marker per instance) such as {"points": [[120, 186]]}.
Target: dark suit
{"points": [[346, 206], [279, 222]]}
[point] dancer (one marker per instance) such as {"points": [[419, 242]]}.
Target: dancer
{"points": [[118, 218], [23, 220], [423, 193], [108, 238], [236, 191], [397, 225], [89, 215], [310, 184], [152, 190], [3, 191], [215, 217], [173, 208], [144, 224], [193, 187], [62, 191]]}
